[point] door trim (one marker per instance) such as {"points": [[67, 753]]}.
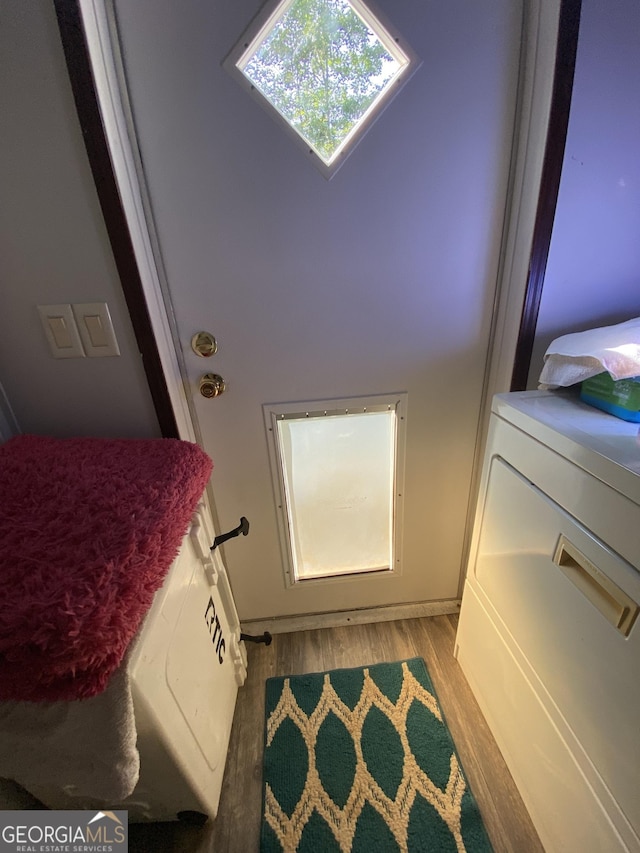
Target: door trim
{"points": [[565, 64], [541, 38], [528, 182], [84, 29]]}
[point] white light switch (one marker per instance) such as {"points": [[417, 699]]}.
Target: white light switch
{"points": [[61, 331], [96, 329]]}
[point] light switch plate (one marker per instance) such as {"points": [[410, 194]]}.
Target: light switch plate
{"points": [[61, 331], [96, 329]]}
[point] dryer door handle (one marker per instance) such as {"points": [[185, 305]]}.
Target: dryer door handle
{"points": [[614, 604]]}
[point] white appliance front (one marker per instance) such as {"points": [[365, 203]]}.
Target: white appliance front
{"points": [[549, 637]]}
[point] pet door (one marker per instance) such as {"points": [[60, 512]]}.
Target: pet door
{"points": [[337, 484]]}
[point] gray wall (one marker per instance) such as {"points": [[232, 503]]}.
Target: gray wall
{"points": [[54, 247], [593, 271]]}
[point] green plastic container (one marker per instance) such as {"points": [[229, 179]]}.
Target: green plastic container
{"points": [[620, 398]]}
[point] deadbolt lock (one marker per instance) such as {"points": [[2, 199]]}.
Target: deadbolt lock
{"points": [[204, 344], [212, 385]]}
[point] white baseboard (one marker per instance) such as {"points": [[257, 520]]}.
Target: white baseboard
{"points": [[287, 624]]}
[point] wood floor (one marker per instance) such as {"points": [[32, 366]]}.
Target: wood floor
{"points": [[237, 827]]}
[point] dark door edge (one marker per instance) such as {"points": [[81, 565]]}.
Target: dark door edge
{"points": [[566, 51], [95, 140]]}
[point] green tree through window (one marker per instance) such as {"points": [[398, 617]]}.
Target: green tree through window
{"points": [[322, 68]]}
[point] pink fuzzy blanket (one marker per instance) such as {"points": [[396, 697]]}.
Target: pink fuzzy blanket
{"points": [[88, 530]]}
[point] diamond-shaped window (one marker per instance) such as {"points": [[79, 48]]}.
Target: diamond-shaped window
{"points": [[326, 67]]}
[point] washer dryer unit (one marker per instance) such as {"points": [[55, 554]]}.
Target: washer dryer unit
{"points": [[549, 637]]}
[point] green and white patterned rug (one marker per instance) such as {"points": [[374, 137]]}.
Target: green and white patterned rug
{"points": [[361, 760]]}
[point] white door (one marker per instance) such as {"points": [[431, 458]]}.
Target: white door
{"points": [[379, 281]]}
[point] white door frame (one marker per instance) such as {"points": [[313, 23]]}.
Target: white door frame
{"points": [[537, 65]]}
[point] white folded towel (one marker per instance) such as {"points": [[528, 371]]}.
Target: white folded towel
{"points": [[573, 358], [86, 748]]}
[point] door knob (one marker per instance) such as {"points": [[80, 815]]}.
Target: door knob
{"points": [[212, 385], [204, 344]]}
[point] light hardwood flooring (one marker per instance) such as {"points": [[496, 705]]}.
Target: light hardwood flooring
{"points": [[237, 827]]}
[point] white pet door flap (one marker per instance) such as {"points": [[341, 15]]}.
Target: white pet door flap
{"points": [[337, 481]]}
